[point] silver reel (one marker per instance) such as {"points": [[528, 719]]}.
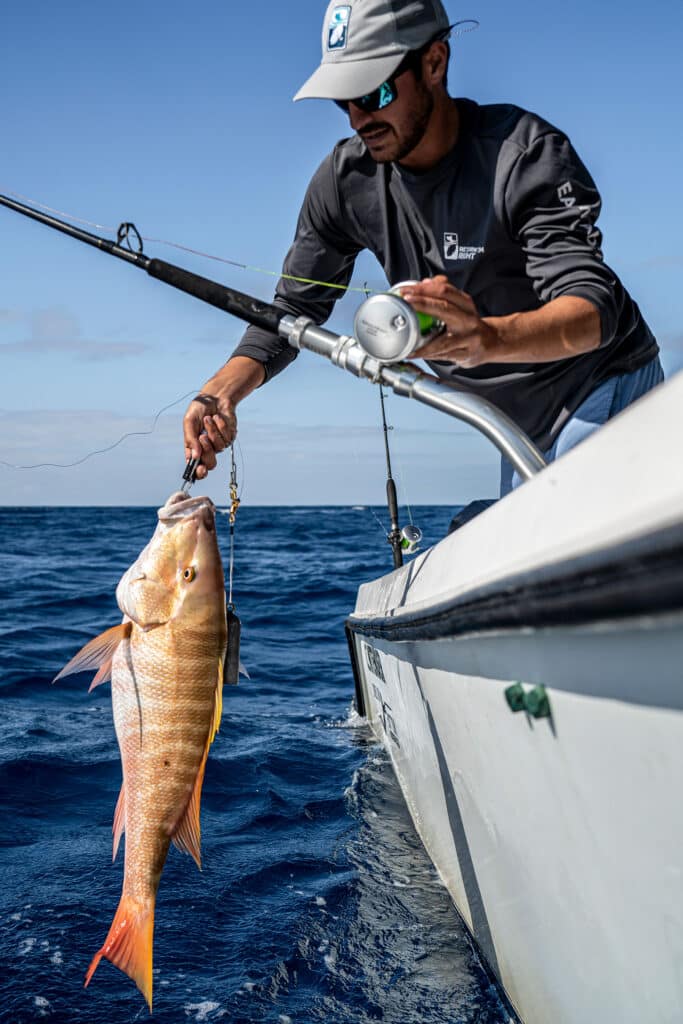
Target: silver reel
{"points": [[389, 329]]}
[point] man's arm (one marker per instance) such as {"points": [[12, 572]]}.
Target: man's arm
{"points": [[566, 326], [322, 251]]}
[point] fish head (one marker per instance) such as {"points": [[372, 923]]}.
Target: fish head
{"points": [[180, 571]]}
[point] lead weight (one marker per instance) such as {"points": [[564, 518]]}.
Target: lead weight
{"points": [[231, 669]]}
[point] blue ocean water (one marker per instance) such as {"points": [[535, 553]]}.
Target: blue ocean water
{"points": [[316, 901]]}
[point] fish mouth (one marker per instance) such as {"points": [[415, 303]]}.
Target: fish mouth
{"points": [[179, 506]]}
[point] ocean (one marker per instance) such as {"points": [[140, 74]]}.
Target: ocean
{"points": [[316, 901]]}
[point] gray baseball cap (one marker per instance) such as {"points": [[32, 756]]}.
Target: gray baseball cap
{"points": [[364, 41]]}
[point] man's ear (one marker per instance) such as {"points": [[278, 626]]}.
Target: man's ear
{"points": [[435, 62]]}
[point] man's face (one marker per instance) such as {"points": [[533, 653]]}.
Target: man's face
{"points": [[392, 133]]}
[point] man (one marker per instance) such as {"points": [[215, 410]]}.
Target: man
{"points": [[488, 207]]}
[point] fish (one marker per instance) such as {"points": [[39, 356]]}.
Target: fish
{"points": [[165, 660]]}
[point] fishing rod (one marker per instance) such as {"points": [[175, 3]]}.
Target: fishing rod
{"points": [[128, 246], [386, 328]]}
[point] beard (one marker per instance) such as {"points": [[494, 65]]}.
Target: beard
{"points": [[400, 141]]}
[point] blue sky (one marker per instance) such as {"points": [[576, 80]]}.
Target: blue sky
{"points": [[179, 118]]}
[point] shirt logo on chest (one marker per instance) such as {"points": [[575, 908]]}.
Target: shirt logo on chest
{"points": [[453, 250]]}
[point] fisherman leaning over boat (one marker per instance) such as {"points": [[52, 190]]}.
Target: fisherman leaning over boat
{"points": [[488, 207]]}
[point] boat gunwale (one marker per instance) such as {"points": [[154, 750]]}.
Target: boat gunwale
{"points": [[639, 576]]}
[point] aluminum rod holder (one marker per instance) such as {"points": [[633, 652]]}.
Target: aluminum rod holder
{"points": [[409, 382]]}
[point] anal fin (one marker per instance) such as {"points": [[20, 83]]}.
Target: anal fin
{"points": [[119, 820], [186, 835]]}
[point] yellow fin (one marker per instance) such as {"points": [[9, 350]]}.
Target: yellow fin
{"points": [[129, 945], [97, 653], [187, 834], [218, 703]]}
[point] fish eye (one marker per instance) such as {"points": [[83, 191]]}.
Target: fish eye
{"points": [[189, 573]]}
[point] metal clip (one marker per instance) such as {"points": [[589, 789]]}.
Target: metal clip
{"points": [[190, 475], [234, 500]]}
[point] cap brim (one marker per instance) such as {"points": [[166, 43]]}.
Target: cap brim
{"points": [[345, 81]]}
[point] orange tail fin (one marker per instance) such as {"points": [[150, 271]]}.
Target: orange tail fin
{"points": [[129, 945]]}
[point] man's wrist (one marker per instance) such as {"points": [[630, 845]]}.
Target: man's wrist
{"points": [[234, 381], [205, 399]]}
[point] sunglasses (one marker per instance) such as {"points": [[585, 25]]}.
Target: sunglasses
{"points": [[387, 92], [378, 99]]}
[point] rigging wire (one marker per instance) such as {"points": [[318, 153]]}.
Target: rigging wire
{"points": [[234, 505], [395, 456], [404, 489], [109, 448]]}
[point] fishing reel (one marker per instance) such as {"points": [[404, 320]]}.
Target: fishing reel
{"points": [[411, 537], [389, 329]]}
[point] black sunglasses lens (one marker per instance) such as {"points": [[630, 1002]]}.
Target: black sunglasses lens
{"points": [[369, 103], [373, 101]]}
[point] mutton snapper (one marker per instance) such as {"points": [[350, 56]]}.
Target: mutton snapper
{"points": [[165, 661]]}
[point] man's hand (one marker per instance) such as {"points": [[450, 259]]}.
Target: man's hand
{"points": [[210, 423], [468, 340], [209, 426]]}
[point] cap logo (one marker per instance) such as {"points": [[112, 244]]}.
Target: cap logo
{"points": [[338, 28]]}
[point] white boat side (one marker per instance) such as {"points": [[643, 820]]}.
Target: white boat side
{"points": [[560, 839]]}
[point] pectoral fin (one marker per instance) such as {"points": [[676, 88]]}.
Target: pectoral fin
{"points": [[98, 653]]}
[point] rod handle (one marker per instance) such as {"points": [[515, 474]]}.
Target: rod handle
{"points": [[246, 307]]}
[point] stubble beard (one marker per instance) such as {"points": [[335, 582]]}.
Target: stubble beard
{"points": [[418, 119]]}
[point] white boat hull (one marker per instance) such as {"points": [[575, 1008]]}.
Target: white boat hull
{"points": [[560, 839]]}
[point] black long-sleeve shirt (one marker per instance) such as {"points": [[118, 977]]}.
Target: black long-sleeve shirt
{"points": [[509, 216]]}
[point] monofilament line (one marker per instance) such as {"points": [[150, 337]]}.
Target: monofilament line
{"points": [[109, 448]]}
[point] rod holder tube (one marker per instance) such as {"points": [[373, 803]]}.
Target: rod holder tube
{"points": [[409, 382], [510, 441]]}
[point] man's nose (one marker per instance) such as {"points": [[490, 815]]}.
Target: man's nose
{"points": [[358, 119]]}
